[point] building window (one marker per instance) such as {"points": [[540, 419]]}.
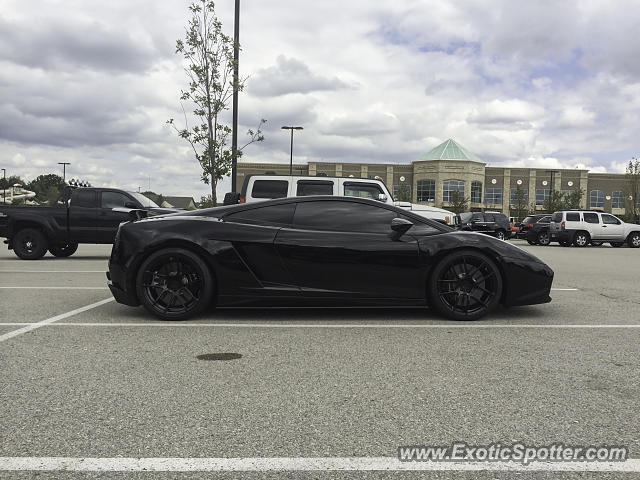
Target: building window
{"points": [[542, 195], [450, 186], [426, 190], [407, 190], [493, 196], [596, 199], [617, 199], [476, 192], [525, 196]]}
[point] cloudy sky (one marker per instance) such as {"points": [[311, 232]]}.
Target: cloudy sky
{"points": [[519, 83]]}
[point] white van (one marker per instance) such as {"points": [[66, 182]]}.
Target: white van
{"points": [[257, 188]]}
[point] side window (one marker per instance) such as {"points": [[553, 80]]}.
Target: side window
{"points": [[477, 217], [271, 215], [571, 217], [545, 220], [314, 187], [362, 190], [270, 189], [590, 217], [114, 200], [343, 217], [610, 220], [84, 198], [557, 216]]}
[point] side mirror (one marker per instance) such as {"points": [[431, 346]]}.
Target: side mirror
{"points": [[131, 205], [231, 198], [399, 227], [382, 197]]}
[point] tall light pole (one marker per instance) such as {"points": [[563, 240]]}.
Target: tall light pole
{"points": [[4, 185], [64, 170], [234, 132], [291, 154], [551, 187]]}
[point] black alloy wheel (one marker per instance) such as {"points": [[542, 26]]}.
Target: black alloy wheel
{"points": [[500, 234], [634, 240], [174, 284], [544, 239], [63, 250], [581, 239], [30, 244], [465, 285]]}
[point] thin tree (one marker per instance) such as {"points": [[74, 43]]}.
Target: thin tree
{"points": [[457, 202], [633, 187], [520, 202], [208, 55]]}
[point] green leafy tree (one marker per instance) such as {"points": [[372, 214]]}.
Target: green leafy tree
{"points": [[457, 202], [10, 181], [520, 202], [206, 202], [555, 202], [573, 199], [46, 187], [403, 194], [633, 187], [208, 55]]}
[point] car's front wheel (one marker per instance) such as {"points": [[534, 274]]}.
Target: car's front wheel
{"points": [[634, 240], [465, 285], [30, 244], [174, 284], [500, 234], [64, 250]]}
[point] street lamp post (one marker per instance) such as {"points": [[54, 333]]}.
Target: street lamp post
{"points": [[291, 152], [64, 170], [4, 185], [551, 187]]}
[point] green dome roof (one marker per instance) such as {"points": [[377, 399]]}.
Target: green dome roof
{"points": [[450, 150]]}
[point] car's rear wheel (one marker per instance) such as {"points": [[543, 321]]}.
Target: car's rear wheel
{"points": [[63, 250], [544, 239], [616, 244], [634, 240], [581, 239], [465, 285], [595, 244], [500, 234], [174, 284], [30, 244]]}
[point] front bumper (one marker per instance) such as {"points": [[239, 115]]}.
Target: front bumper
{"points": [[527, 283], [120, 294]]}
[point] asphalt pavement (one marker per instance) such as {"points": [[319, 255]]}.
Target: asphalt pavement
{"points": [[113, 382]]}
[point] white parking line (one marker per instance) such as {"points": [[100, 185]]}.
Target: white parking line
{"points": [[48, 321], [54, 288], [294, 464], [565, 289], [324, 325]]}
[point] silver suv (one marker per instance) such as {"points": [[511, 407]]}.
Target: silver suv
{"points": [[581, 227]]}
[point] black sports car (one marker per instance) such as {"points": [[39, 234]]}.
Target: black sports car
{"points": [[317, 251]]}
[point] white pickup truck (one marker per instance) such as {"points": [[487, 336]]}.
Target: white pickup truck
{"points": [[258, 188]]}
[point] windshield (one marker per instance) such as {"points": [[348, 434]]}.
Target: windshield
{"points": [[144, 201], [466, 217]]}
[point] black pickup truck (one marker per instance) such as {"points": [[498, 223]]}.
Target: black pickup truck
{"points": [[80, 215]]}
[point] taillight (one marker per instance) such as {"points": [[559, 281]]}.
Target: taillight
{"points": [[242, 200], [529, 225], [562, 225]]}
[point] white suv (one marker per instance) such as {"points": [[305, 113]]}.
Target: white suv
{"points": [[581, 227], [257, 188]]}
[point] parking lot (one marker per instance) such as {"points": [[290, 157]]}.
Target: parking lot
{"points": [[85, 379]]}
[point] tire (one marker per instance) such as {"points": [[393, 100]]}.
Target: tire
{"points": [[581, 239], [596, 244], [616, 244], [174, 284], [531, 242], [30, 244], [634, 240], [500, 234], [544, 239], [465, 285], [64, 250]]}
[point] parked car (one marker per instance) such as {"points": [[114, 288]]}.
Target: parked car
{"points": [[535, 229], [514, 226], [258, 188], [317, 251], [581, 227], [81, 215], [495, 224]]}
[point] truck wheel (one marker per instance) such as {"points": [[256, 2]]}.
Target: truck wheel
{"points": [[544, 239], [500, 234], [581, 239], [634, 240], [63, 250], [30, 244]]}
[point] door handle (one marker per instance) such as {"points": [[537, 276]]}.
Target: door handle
{"points": [[604, 226]]}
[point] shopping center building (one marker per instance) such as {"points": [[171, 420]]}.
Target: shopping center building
{"points": [[450, 167]]}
